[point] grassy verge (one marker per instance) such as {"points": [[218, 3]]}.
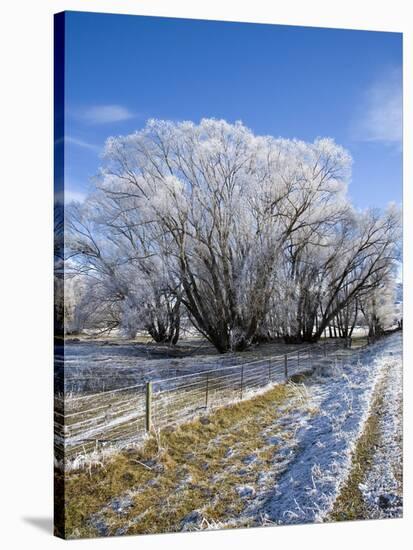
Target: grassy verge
{"points": [[359, 342], [350, 503], [194, 470]]}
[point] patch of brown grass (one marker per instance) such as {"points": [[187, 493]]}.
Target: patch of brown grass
{"points": [[350, 503], [176, 472]]}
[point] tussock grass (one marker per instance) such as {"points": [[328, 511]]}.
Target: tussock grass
{"points": [[193, 468]]}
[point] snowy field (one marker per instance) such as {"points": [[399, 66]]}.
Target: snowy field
{"points": [[87, 420], [91, 366], [315, 439], [270, 460]]}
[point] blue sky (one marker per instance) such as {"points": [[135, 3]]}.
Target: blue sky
{"points": [[294, 82]]}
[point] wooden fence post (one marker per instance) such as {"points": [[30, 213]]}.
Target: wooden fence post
{"points": [[286, 367], [242, 380], [206, 391], [148, 415]]}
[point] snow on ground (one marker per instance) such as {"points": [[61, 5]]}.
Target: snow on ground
{"points": [[296, 476], [317, 440], [382, 486], [92, 366], [119, 418]]}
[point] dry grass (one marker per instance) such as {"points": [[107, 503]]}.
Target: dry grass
{"points": [[194, 467], [350, 503], [359, 342]]}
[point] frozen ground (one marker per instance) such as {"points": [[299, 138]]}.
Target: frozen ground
{"points": [[382, 486], [91, 366], [278, 462], [317, 458], [116, 417]]}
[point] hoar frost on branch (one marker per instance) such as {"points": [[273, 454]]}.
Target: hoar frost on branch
{"points": [[251, 237]]}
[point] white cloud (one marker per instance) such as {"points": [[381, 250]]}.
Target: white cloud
{"points": [[103, 114], [381, 116]]}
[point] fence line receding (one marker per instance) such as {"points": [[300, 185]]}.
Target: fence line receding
{"points": [[124, 415]]}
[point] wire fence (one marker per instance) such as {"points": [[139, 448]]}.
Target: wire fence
{"points": [[124, 415]]}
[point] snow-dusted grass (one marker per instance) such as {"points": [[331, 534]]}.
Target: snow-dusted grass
{"points": [[281, 457], [381, 486], [93, 366], [325, 442], [87, 422], [192, 474]]}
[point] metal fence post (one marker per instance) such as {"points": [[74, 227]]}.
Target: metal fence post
{"points": [[286, 367], [148, 407], [206, 391], [242, 380]]}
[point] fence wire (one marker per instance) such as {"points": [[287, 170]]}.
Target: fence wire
{"points": [[124, 415]]}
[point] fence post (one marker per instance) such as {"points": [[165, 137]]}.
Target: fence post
{"points": [[148, 416], [242, 380], [286, 367], [206, 391]]}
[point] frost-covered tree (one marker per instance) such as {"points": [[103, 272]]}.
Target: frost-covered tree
{"points": [[364, 257], [379, 306], [223, 203], [125, 283], [254, 236]]}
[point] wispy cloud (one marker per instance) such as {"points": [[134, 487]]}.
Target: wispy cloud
{"points": [[381, 113], [104, 114]]}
